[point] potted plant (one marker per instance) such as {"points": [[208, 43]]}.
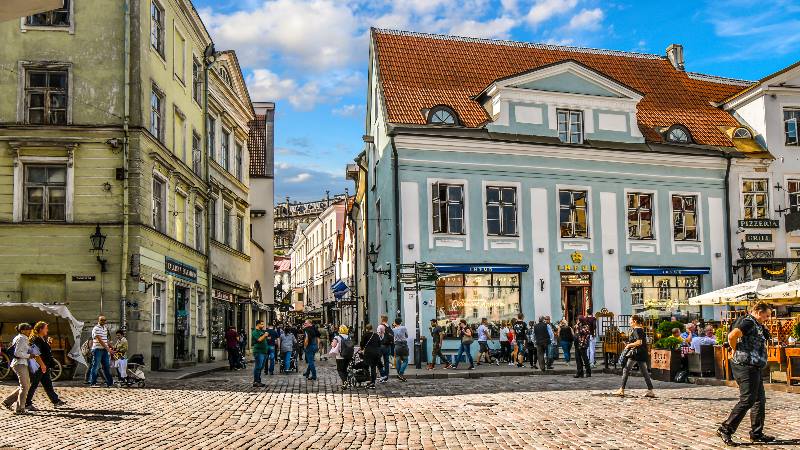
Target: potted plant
{"points": [[665, 328], [666, 358], [721, 367]]}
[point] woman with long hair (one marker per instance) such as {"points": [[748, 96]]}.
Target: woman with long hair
{"points": [[39, 340], [637, 354], [371, 347]]}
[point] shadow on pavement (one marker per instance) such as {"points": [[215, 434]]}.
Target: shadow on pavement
{"points": [[93, 414]]}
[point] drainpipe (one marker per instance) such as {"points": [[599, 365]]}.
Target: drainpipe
{"points": [[208, 53], [123, 276], [366, 242], [728, 235], [396, 192]]}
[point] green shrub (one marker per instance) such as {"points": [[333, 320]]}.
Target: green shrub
{"points": [[665, 327], [796, 330], [721, 334], [668, 343]]}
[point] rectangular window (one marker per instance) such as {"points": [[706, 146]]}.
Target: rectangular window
{"points": [[664, 295], [46, 96], [573, 211], [45, 193], [224, 148], [159, 306], [494, 296], [570, 126], [179, 135], [197, 81], [199, 233], [212, 138], [157, 113], [238, 162], [755, 197], [180, 218], [212, 218], [501, 211], [197, 155], [179, 56], [226, 225], [790, 118], [201, 313], [448, 208], [55, 18], [684, 217], [640, 216], [159, 204], [793, 189], [240, 233], [157, 27]]}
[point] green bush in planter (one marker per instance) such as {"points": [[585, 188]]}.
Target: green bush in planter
{"points": [[722, 335], [796, 330], [668, 343], [665, 327]]}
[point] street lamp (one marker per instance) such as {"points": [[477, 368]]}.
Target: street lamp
{"points": [[98, 241], [372, 256]]}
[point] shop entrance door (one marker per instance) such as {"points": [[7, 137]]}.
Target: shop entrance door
{"points": [[576, 295], [181, 323]]}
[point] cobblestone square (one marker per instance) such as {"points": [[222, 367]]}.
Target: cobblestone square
{"points": [[222, 410]]}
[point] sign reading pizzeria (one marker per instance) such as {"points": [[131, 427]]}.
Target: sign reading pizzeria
{"points": [[181, 270], [758, 223]]}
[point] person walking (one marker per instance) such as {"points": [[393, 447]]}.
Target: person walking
{"points": [[372, 351], [343, 349], [272, 348], [565, 339], [232, 347], [591, 321], [583, 336], [541, 332], [437, 338], [505, 347], [552, 347], [747, 341], [287, 341], [400, 348], [636, 348], [483, 341], [41, 341], [21, 345], [120, 355], [259, 337], [101, 353], [324, 339], [387, 345], [465, 334], [520, 337], [311, 345], [530, 346]]}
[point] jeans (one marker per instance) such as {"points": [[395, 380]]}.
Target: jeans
{"points": [[751, 397], [592, 348], [505, 351], [258, 366], [565, 347], [542, 356], [47, 384], [552, 352], [100, 357], [582, 358], [386, 350], [401, 363], [19, 396], [311, 370], [269, 365], [287, 361], [530, 355], [233, 358], [437, 351], [642, 368], [462, 349]]}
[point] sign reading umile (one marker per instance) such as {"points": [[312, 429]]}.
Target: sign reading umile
{"points": [[758, 223], [180, 270]]}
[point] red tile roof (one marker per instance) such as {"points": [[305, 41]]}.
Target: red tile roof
{"points": [[418, 71]]}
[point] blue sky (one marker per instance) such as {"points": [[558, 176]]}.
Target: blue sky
{"points": [[310, 56]]}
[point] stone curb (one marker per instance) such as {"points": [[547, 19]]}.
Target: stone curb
{"points": [[450, 374]]}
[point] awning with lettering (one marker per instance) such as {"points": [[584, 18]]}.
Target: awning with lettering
{"points": [[481, 268], [646, 270]]}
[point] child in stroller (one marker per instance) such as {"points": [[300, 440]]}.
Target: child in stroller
{"points": [[135, 372], [357, 371]]}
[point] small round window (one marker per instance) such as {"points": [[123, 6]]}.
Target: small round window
{"points": [[679, 135], [442, 115], [743, 133]]}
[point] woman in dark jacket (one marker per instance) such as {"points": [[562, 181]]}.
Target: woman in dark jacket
{"points": [[637, 354], [565, 339], [40, 340], [371, 348], [583, 336]]}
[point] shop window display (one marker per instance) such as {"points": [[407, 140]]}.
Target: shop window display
{"points": [[664, 295], [474, 296]]}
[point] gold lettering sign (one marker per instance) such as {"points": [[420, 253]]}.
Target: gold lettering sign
{"points": [[576, 267]]}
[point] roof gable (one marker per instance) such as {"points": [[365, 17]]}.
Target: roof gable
{"points": [[569, 77]]}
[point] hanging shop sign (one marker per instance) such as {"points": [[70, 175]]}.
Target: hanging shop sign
{"points": [[758, 223], [578, 265], [180, 270], [760, 237], [83, 278], [644, 270], [222, 295], [480, 268]]}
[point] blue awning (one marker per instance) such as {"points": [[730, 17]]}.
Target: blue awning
{"points": [[644, 270], [339, 289], [481, 268]]}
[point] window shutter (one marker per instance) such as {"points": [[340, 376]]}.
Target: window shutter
{"points": [[435, 204]]}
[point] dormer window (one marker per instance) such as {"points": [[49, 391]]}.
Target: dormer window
{"points": [[742, 133], [442, 115], [679, 135], [570, 126], [226, 76]]}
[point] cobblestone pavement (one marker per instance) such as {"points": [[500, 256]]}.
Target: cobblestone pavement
{"points": [[222, 410]]}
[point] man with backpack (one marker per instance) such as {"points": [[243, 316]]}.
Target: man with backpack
{"points": [[343, 348], [400, 348], [520, 336], [311, 345], [387, 345]]}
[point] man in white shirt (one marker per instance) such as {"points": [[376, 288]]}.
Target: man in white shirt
{"points": [[483, 341], [708, 339], [101, 352]]}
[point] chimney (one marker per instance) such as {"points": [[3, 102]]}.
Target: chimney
{"points": [[675, 56]]}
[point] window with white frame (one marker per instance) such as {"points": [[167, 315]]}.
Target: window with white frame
{"points": [[180, 217], [159, 204], [573, 213], [157, 27], [197, 155], [793, 190], [501, 210], [226, 225], [225, 149], [570, 126], [684, 217], [201, 313], [448, 208], [212, 137], [790, 118], [238, 161], [157, 113], [199, 234], [755, 198], [640, 216], [45, 193], [59, 17], [46, 95], [159, 306], [240, 233], [197, 81]]}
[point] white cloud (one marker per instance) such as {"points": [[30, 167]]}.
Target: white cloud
{"points": [[544, 10], [299, 178], [351, 110], [264, 84], [496, 28], [586, 20]]}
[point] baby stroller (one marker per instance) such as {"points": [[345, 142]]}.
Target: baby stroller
{"points": [[135, 372], [292, 363], [495, 354], [357, 371]]}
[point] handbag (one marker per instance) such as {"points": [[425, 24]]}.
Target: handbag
{"points": [[466, 340], [625, 356]]}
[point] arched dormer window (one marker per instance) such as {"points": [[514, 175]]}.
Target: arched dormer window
{"points": [[679, 135], [442, 115], [742, 133], [226, 76]]}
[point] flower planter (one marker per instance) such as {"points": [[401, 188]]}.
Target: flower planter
{"points": [[665, 364], [722, 367]]}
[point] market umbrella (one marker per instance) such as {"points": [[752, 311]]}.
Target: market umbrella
{"points": [[782, 293], [51, 313], [738, 294]]}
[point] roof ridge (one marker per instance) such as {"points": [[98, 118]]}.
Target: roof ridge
{"points": [[506, 42], [719, 79]]}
